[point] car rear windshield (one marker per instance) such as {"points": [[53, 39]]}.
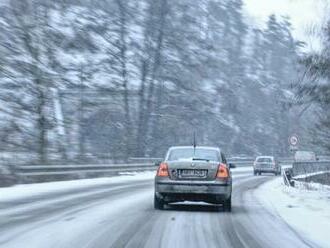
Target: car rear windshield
{"points": [[264, 160], [188, 153]]}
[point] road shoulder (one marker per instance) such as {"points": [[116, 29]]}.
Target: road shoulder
{"points": [[305, 209]]}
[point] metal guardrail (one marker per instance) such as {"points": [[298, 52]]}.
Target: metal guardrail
{"points": [[41, 173], [303, 168], [287, 177], [37, 170], [322, 177], [44, 170], [313, 171], [244, 161]]}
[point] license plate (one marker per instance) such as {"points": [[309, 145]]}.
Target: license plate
{"points": [[190, 188], [192, 173]]}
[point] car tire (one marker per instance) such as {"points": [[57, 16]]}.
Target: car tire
{"points": [[259, 173], [254, 173], [227, 205], [158, 203]]}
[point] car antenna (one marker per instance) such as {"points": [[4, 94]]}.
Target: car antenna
{"points": [[194, 143]]}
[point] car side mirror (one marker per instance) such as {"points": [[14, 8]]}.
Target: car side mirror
{"points": [[232, 166], [157, 163]]}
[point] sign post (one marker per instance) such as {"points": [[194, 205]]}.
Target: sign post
{"points": [[293, 142]]}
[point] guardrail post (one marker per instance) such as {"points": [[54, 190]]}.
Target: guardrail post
{"points": [[287, 176]]}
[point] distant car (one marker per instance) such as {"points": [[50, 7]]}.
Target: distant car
{"points": [[193, 174], [305, 156], [266, 164]]}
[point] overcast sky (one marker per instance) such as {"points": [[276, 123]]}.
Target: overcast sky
{"points": [[304, 14]]}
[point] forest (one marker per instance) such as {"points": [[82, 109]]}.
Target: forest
{"points": [[115, 79]]}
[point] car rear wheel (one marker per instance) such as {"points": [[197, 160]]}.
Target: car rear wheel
{"points": [[227, 205], [158, 203]]}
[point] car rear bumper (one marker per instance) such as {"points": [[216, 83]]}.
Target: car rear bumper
{"points": [[265, 170], [193, 190]]}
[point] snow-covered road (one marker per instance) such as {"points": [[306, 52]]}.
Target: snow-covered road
{"points": [[118, 212]]}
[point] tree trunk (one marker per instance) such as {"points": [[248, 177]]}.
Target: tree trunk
{"points": [[123, 63], [140, 130], [41, 124], [149, 104]]}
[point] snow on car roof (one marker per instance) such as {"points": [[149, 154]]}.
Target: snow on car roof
{"points": [[197, 147], [265, 157]]}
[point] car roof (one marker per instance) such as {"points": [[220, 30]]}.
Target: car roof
{"points": [[264, 157], [197, 147]]}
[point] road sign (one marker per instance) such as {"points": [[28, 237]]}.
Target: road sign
{"points": [[293, 140]]}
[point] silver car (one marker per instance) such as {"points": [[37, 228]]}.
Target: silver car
{"points": [[193, 174], [266, 164]]}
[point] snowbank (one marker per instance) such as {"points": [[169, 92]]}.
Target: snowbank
{"points": [[30, 190], [306, 208]]}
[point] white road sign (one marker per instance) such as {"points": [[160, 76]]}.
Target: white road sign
{"points": [[293, 140]]}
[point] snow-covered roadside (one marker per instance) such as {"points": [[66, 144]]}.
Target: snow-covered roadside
{"points": [[35, 189], [306, 208]]}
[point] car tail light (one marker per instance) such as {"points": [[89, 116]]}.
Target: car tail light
{"points": [[223, 172], [162, 170]]}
